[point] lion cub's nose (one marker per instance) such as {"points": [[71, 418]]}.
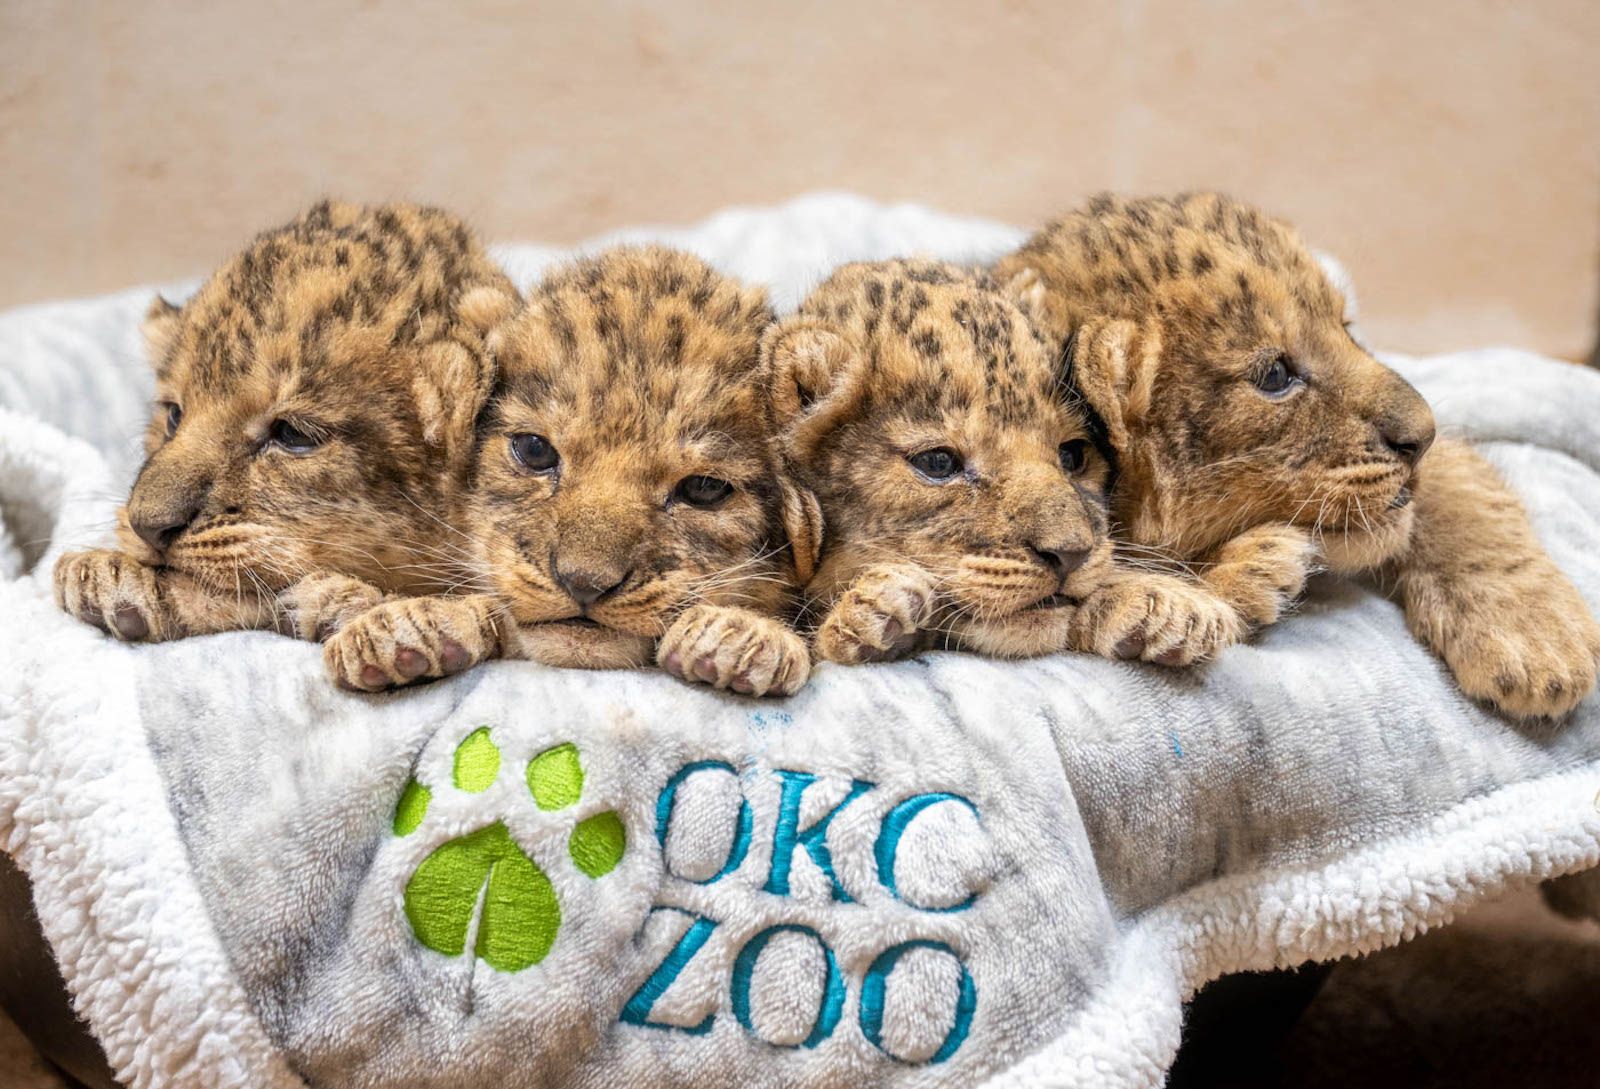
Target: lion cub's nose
{"points": [[585, 587], [1403, 420], [1408, 438], [1063, 561], [159, 527]]}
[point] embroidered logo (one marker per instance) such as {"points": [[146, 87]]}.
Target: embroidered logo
{"points": [[485, 878], [922, 1015]]}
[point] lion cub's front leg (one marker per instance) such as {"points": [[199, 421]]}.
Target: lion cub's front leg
{"points": [[1482, 593], [1156, 618], [1262, 571], [410, 639], [319, 605], [729, 647], [879, 616], [137, 603]]}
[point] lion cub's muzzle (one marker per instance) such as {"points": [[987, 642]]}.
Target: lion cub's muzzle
{"points": [[1404, 422], [587, 588], [166, 499]]}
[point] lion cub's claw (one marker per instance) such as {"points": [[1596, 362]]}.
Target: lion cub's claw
{"points": [[115, 593], [736, 649], [1155, 618], [878, 618], [406, 640]]}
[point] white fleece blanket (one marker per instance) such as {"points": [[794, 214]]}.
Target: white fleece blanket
{"points": [[944, 872]]}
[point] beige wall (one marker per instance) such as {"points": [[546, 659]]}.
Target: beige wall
{"points": [[1449, 150]]}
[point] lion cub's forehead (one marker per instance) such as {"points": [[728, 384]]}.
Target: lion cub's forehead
{"points": [[939, 341], [641, 344], [1211, 269], [321, 299]]}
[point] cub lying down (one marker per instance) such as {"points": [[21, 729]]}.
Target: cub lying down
{"points": [[315, 401], [963, 498], [624, 506], [1247, 422]]}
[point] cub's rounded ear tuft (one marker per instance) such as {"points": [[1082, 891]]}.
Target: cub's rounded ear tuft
{"points": [[1047, 313], [494, 341], [815, 378], [806, 361], [160, 329], [803, 526], [450, 388], [1026, 289], [484, 307], [1114, 366]]}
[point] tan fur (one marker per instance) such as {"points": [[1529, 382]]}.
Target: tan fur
{"points": [[639, 368], [359, 327], [1175, 312], [884, 362], [1480, 591]]}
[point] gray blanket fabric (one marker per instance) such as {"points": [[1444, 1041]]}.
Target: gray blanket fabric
{"points": [[944, 872]]}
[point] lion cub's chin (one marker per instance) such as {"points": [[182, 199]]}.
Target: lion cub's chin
{"points": [[1041, 628], [1354, 551], [581, 644]]}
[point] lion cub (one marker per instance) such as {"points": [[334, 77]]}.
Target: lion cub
{"points": [[1250, 427], [625, 506], [963, 497], [314, 402]]}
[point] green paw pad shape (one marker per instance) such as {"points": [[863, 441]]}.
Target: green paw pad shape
{"points": [[485, 873]]}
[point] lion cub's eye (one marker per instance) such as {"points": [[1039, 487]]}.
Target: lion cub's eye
{"points": [[291, 438], [534, 452], [939, 464], [1278, 378], [703, 491], [1074, 456], [174, 418]]}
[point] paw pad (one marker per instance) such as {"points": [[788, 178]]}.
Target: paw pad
{"points": [[485, 876]]}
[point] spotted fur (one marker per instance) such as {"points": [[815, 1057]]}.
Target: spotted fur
{"points": [[1176, 313], [638, 369], [358, 329], [884, 362]]}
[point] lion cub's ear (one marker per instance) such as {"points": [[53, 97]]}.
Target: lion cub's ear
{"points": [[457, 375], [486, 306], [160, 329], [814, 376], [1110, 363], [1046, 311], [803, 526], [1026, 289], [1113, 365]]}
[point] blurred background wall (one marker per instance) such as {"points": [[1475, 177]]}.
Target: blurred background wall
{"points": [[1448, 150]]}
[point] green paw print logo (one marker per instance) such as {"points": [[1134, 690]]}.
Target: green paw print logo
{"points": [[485, 873]]}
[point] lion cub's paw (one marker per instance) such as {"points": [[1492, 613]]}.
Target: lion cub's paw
{"points": [[734, 648], [1533, 659], [1263, 570], [878, 617], [319, 605], [410, 639], [1155, 618], [116, 593]]}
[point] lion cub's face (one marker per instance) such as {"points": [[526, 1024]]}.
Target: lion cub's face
{"points": [[623, 469], [1218, 352], [310, 398], [926, 416]]}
